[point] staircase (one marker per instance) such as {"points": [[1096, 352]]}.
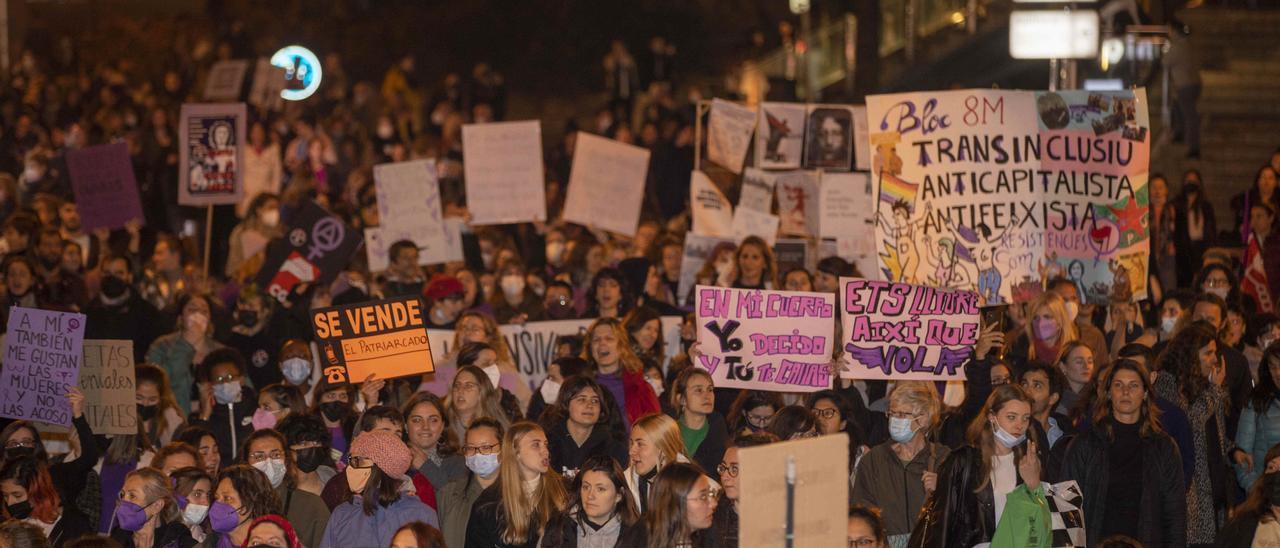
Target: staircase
{"points": [[1239, 106]]}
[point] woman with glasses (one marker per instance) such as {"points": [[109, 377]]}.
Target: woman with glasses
{"points": [[516, 510], [752, 411], [433, 444], [1191, 375], [268, 451], [975, 480], [835, 415], [681, 512], [726, 516], [275, 402], [1128, 469], [618, 369], [601, 512], [226, 402], [655, 443], [583, 423], [482, 449], [375, 507], [703, 430], [21, 439], [242, 494], [147, 515], [472, 396], [475, 327], [866, 528], [898, 475]]}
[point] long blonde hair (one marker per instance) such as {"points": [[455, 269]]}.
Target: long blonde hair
{"points": [[157, 489], [1057, 306], [626, 356], [663, 433], [490, 404], [492, 336], [523, 514]]}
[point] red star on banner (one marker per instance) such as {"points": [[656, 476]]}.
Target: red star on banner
{"points": [[1130, 217]]}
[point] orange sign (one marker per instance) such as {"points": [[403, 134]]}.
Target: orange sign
{"points": [[388, 338]]}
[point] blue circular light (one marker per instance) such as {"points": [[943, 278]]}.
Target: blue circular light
{"points": [[301, 66]]}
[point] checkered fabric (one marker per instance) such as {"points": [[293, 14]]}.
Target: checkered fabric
{"points": [[1066, 516]]}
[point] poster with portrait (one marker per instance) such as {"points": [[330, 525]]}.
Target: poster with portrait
{"points": [[780, 137], [211, 154], [997, 192], [828, 142]]}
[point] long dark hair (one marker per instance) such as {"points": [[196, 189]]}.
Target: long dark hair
{"points": [[290, 466], [626, 509], [667, 519], [792, 420], [380, 490], [1265, 392], [609, 418], [256, 494], [1181, 358], [1233, 296], [745, 402], [1102, 414], [628, 293], [847, 414], [449, 442], [980, 434]]}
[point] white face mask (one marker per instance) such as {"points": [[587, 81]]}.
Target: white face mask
{"points": [[512, 285], [274, 469], [1167, 324], [194, 513], [550, 391], [658, 389], [1221, 292]]}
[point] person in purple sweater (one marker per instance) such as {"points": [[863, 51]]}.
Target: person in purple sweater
{"points": [[376, 507]]}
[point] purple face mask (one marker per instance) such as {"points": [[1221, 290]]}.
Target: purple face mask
{"points": [[263, 419], [1046, 328], [223, 517], [130, 516]]}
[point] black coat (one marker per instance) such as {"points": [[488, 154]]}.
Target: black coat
{"points": [[230, 423], [957, 513], [1164, 505], [169, 535], [484, 528], [135, 319], [72, 525], [711, 452], [562, 532], [566, 455]]}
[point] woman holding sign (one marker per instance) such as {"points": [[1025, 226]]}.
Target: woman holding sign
{"points": [[21, 439], [29, 495], [1048, 330], [976, 479]]}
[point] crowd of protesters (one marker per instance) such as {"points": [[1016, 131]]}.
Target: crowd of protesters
{"points": [[1164, 411]]}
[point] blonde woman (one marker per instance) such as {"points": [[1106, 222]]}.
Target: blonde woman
{"points": [[618, 369], [528, 494], [1048, 329], [147, 514], [470, 397], [655, 443], [474, 327], [898, 475]]}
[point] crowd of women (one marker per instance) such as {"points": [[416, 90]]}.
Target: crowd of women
{"points": [[1163, 412]]}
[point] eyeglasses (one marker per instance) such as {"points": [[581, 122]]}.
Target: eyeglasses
{"points": [[1217, 282], [902, 415], [466, 386], [472, 450], [360, 462], [706, 496], [258, 456], [826, 413], [225, 378], [726, 469], [759, 420], [861, 542], [12, 444]]}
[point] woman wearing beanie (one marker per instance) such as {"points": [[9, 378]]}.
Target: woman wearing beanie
{"points": [[515, 511], [375, 508], [271, 530]]}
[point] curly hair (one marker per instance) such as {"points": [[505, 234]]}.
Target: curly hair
{"points": [[1181, 359]]}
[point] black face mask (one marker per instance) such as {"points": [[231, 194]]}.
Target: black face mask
{"points": [[334, 410], [11, 453], [147, 412], [50, 263], [21, 510], [309, 459], [247, 318], [113, 287]]}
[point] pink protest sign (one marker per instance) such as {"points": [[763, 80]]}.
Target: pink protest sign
{"points": [[902, 331]]}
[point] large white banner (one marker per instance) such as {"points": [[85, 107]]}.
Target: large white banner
{"points": [[409, 208], [606, 184], [503, 171]]}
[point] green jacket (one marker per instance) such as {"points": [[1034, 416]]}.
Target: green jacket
{"points": [[175, 355], [455, 501]]}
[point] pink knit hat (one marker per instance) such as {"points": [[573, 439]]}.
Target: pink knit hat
{"points": [[385, 450]]}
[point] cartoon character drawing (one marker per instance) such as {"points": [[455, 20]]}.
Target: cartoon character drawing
{"points": [[901, 240], [989, 278], [1121, 286]]}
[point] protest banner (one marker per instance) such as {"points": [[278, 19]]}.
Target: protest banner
{"points": [[105, 188], [757, 190], [821, 500], [225, 79], [503, 172], [791, 252], [1000, 191], [387, 338], [42, 356], [375, 250], [778, 341], [211, 154], [749, 222], [729, 129], [315, 247], [533, 344], [110, 393], [893, 330], [697, 251], [711, 211], [861, 160], [268, 82], [828, 142], [409, 207], [606, 184], [845, 207], [780, 141], [798, 210]]}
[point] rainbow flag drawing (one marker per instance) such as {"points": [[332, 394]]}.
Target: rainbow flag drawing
{"points": [[893, 189]]}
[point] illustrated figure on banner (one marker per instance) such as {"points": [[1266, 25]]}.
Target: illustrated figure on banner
{"points": [[213, 156], [778, 130], [901, 258]]}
